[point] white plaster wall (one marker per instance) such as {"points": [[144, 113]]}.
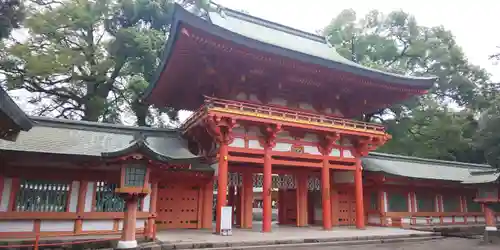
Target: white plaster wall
{"points": [[120, 225], [311, 150], [459, 219], [335, 152], [242, 96], [97, 225], [278, 101], [254, 131], [89, 196], [405, 221], [282, 147], [448, 220], [435, 220], [16, 226], [420, 220], [343, 177], [310, 137], [147, 200], [140, 223], [239, 130], [374, 219], [347, 153], [73, 200], [306, 106], [238, 143], [388, 221], [284, 135], [254, 144], [57, 225], [480, 219], [4, 203], [253, 98]]}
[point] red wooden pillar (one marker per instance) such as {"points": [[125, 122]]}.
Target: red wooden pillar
{"points": [[281, 206], [489, 216], [152, 209], [247, 200], [222, 184], [267, 191], [128, 234], [231, 202], [80, 207], [237, 206], [334, 201], [325, 194], [301, 192], [358, 182]]}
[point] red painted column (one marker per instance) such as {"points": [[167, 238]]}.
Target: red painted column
{"points": [[128, 234], [358, 182], [237, 206], [267, 191], [281, 207], [152, 208], [325, 193], [247, 197], [222, 184], [302, 213], [489, 216]]}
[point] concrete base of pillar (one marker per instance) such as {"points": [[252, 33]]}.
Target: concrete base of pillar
{"points": [[491, 235], [126, 244]]}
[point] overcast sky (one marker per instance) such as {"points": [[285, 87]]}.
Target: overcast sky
{"points": [[474, 23]]}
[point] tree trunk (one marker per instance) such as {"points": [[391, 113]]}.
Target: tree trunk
{"points": [[141, 112]]}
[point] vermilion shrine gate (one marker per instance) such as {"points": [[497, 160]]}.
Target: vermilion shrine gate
{"points": [[276, 110]]}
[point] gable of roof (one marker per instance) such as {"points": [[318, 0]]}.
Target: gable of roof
{"points": [[420, 168], [18, 119]]}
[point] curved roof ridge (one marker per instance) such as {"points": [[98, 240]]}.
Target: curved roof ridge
{"points": [[270, 24], [66, 123], [427, 160]]}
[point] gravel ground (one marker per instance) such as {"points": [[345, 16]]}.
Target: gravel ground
{"points": [[444, 244]]}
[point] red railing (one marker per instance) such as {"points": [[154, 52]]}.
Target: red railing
{"points": [[38, 237], [278, 113]]}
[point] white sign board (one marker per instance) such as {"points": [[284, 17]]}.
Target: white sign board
{"points": [[226, 223]]}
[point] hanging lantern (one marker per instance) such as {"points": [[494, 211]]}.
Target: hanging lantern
{"points": [[134, 178]]}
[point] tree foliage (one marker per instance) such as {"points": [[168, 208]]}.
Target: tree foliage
{"points": [[91, 58], [429, 126], [11, 15]]}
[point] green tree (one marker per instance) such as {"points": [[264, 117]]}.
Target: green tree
{"points": [[91, 58], [396, 43], [422, 126], [11, 15]]}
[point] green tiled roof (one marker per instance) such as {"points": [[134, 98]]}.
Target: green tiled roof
{"points": [[287, 38], [10, 110], [65, 137], [429, 169]]}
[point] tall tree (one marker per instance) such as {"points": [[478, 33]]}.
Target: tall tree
{"points": [[91, 58], [426, 126], [11, 15], [396, 43]]}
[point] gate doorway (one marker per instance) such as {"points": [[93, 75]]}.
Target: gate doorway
{"points": [[346, 207]]}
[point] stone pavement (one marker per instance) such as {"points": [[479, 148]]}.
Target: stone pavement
{"points": [[189, 239], [441, 244]]}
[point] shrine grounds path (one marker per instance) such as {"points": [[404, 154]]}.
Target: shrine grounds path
{"points": [[441, 244]]}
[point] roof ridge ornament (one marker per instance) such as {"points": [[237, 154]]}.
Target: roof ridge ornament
{"points": [[327, 41]]}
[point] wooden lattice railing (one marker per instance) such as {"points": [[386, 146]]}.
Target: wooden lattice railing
{"points": [[277, 113]]}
